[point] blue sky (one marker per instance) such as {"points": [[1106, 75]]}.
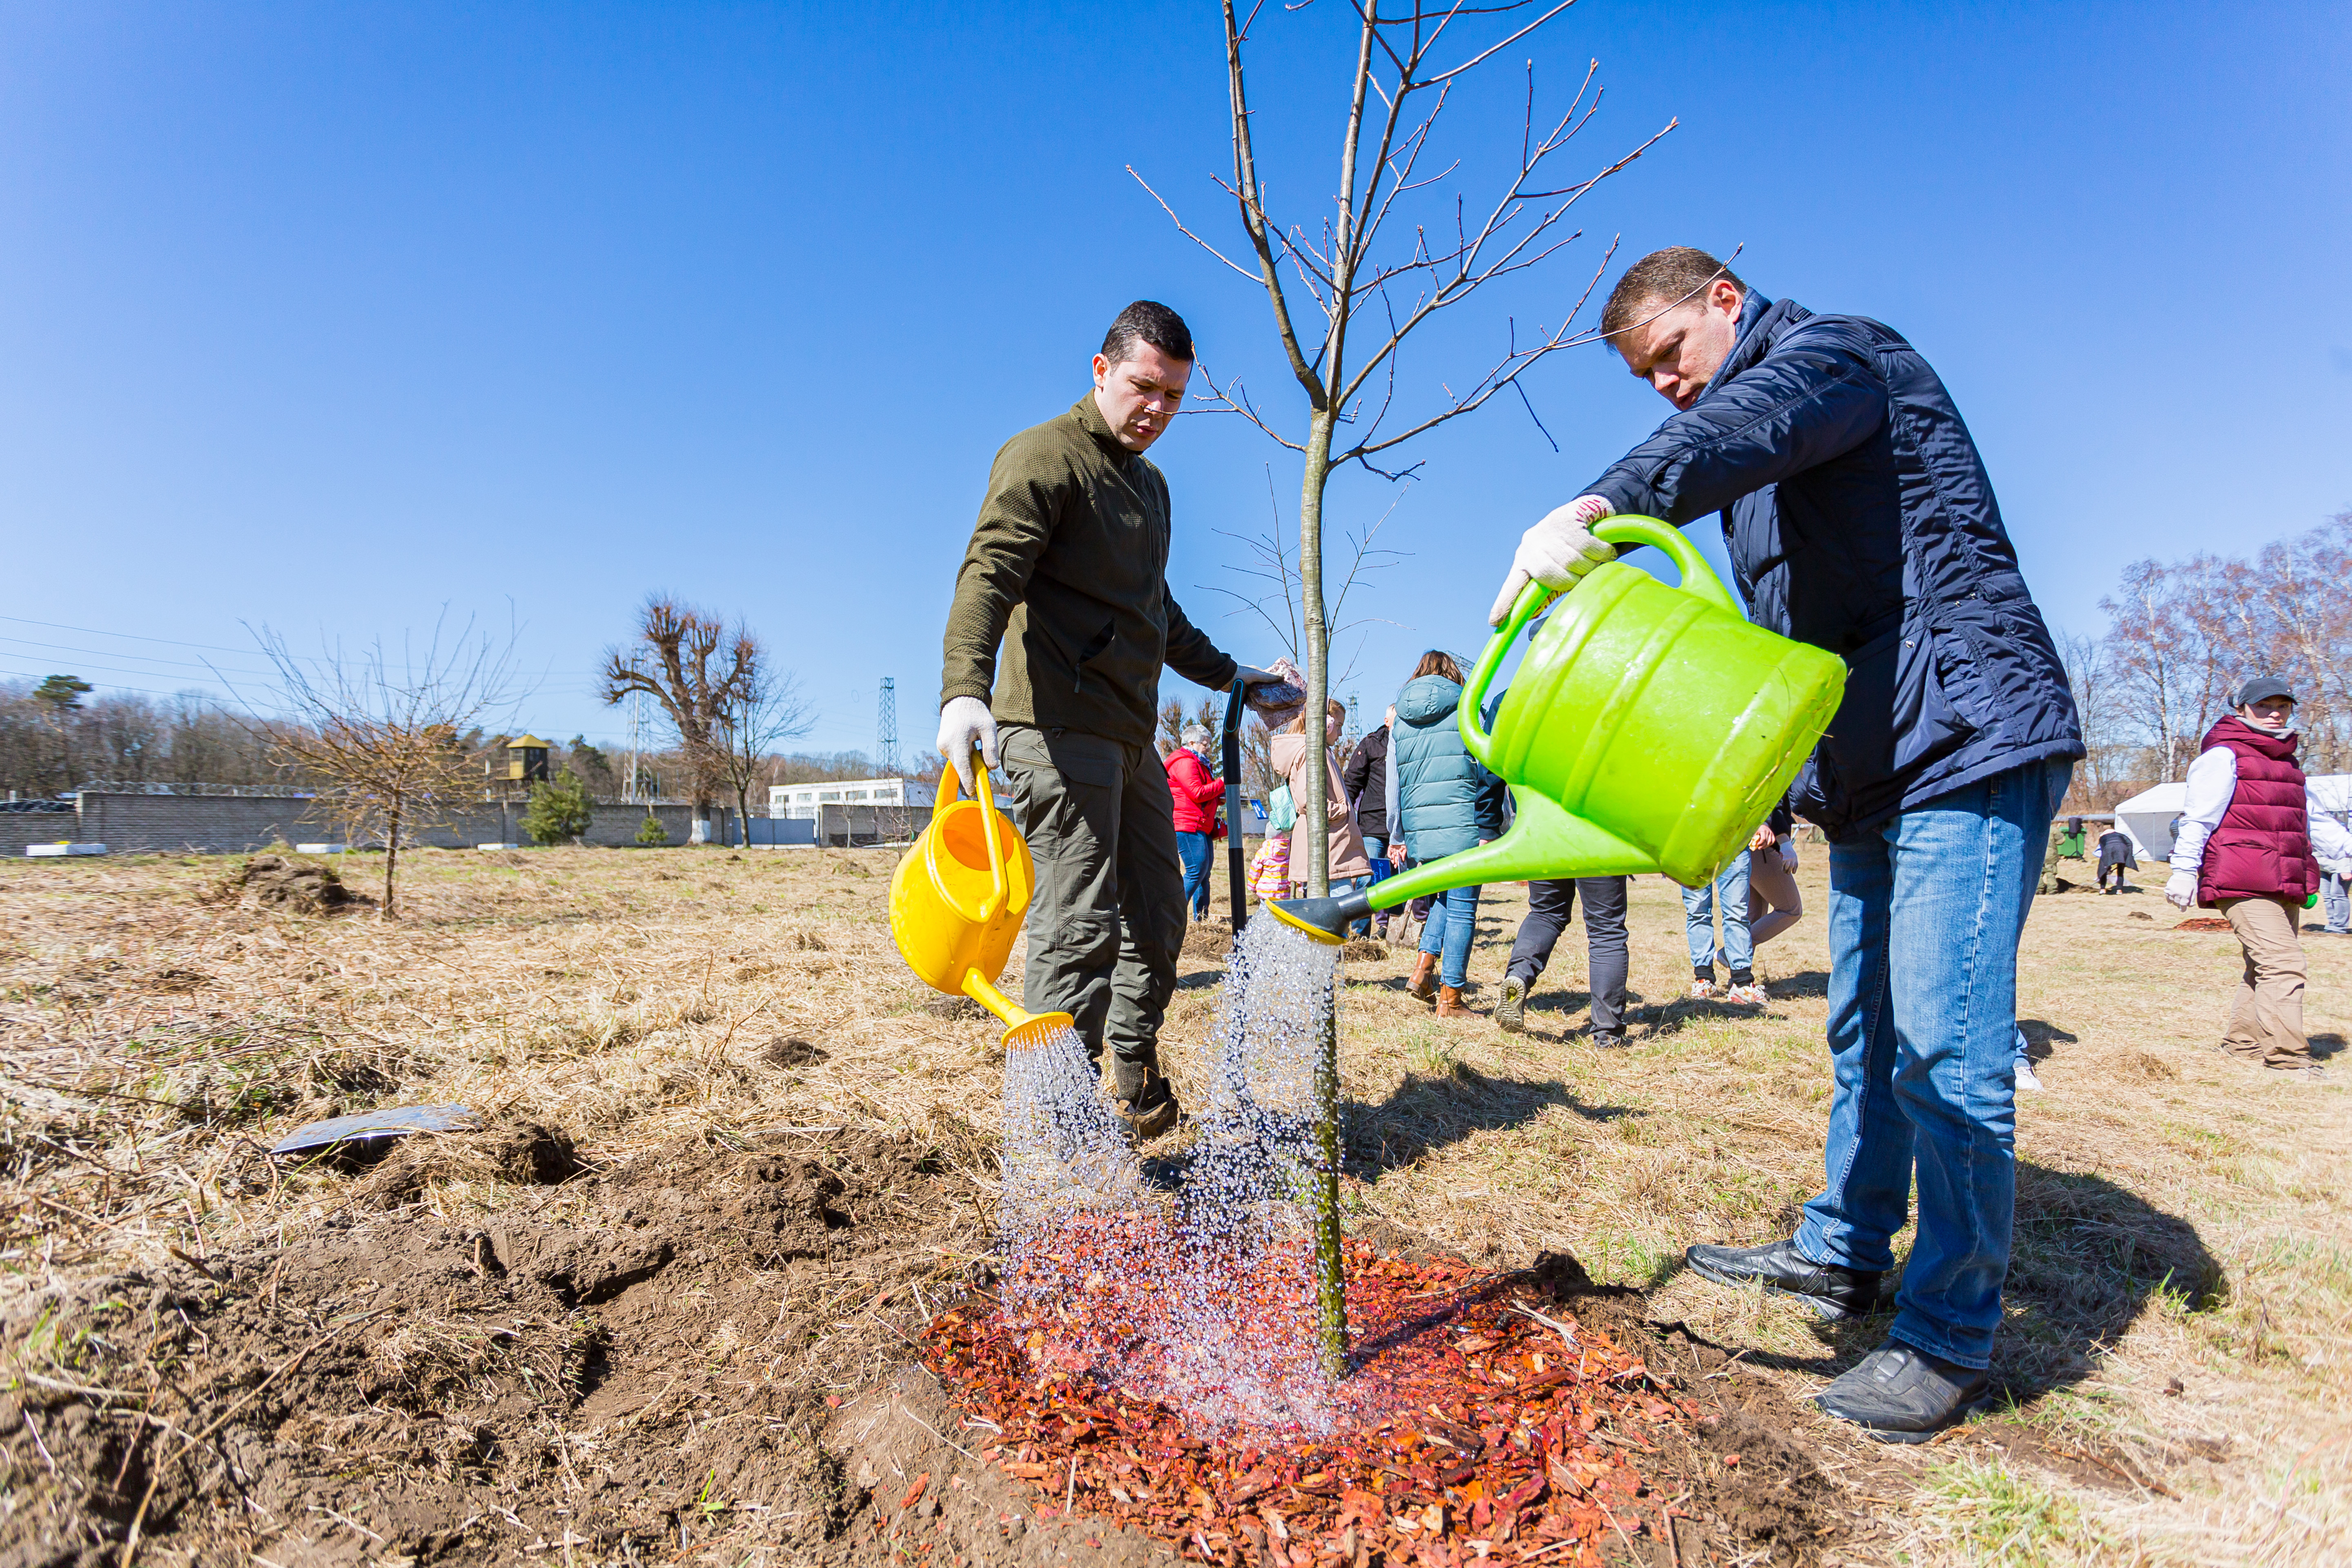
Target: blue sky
{"points": [[326, 315]]}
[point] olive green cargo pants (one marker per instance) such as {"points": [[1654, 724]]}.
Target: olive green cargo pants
{"points": [[1108, 921]]}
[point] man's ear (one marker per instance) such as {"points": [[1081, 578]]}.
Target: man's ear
{"points": [[1102, 368], [1725, 296]]}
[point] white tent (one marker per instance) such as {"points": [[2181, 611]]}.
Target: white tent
{"points": [[2147, 816]]}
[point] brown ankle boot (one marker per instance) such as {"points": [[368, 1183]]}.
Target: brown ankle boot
{"points": [[1424, 977], [1449, 1004]]}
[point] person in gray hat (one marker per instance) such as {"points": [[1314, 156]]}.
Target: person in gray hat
{"points": [[2252, 844]]}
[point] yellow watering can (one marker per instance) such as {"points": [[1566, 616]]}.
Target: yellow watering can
{"points": [[956, 900], [1650, 729]]}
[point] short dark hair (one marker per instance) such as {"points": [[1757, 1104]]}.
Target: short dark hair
{"points": [[1148, 321], [1665, 277]]}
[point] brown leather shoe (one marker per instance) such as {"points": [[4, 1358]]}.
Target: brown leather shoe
{"points": [[1449, 1003], [1424, 985]]}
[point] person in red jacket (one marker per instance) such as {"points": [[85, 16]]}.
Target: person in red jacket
{"points": [[1196, 792], [2250, 844]]}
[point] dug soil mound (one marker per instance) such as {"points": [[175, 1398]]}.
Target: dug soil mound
{"points": [[1557, 1427], [630, 1362], [296, 887]]}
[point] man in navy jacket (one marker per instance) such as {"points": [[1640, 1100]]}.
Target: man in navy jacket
{"points": [[1860, 520]]}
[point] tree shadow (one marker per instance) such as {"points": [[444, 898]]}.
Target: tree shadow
{"points": [[1430, 1111], [2087, 1259]]}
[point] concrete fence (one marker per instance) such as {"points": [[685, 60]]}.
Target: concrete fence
{"points": [[129, 824]]}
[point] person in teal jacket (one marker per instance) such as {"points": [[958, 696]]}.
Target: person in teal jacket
{"points": [[1448, 802]]}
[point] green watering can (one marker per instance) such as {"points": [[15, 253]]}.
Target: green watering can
{"points": [[1650, 729]]}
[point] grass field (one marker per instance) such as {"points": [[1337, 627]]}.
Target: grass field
{"points": [[2182, 1281]]}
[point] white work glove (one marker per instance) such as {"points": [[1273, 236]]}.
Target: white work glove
{"points": [[1556, 553], [2180, 891], [1250, 675], [966, 723]]}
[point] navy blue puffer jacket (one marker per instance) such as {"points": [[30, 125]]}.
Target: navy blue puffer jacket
{"points": [[1447, 797], [1861, 520]]}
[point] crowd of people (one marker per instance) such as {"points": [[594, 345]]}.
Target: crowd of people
{"points": [[1410, 792]]}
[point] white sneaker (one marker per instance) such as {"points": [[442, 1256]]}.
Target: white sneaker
{"points": [[1748, 995], [1703, 990], [2025, 1078]]}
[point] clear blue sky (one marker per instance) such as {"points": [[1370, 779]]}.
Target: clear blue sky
{"points": [[325, 314]]}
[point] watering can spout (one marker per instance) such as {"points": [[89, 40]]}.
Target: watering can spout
{"points": [[1544, 844]]}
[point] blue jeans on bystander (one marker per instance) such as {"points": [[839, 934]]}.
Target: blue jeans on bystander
{"points": [[1730, 890], [1197, 851], [1925, 914], [1451, 925]]}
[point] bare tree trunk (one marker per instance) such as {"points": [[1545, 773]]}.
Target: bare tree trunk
{"points": [[391, 855], [1315, 809]]}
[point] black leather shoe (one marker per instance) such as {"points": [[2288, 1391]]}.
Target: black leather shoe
{"points": [[1509, 1015], [1902, 1394], [1832, 1291]]}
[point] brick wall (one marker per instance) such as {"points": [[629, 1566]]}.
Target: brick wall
{"points": [[234, 824], [18, 828], [198, 824]]}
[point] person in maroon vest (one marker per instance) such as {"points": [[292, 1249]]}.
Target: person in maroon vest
{"points": [[2251, 844]]}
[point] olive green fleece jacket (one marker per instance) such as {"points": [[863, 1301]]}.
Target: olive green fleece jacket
{"points": [[1069, 569]]}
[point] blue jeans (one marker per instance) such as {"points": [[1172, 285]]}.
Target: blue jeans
{"points": [[1452, 923], [1925, 914], [1698, 919], [1197, 851], [1376, 850], [2337, 903]]}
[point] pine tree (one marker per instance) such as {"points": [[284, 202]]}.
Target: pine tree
{"points": [[558, 810], [650, 832]]}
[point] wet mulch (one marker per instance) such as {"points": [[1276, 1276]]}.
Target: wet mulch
{"points": [[1483, 1421]]}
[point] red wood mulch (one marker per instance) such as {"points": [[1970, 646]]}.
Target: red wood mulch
{"points": [[1470, 1430]]}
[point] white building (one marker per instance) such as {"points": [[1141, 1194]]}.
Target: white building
{"points": [[803, 800]]}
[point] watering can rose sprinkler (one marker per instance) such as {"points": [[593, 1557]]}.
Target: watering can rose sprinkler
{"points": [[1649, 729], [956, 902]]}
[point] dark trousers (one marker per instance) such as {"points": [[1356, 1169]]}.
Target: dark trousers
{"points": [[1108, 920], [2115, 864], [1549, 905]]}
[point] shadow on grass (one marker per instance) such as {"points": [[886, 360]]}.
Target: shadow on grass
{"points": [[2325, 1046], [2044, 1037], [1429, 1111], [2087, 1259]]}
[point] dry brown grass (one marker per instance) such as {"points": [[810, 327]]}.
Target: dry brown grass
{"points": [[2180, 1219]]}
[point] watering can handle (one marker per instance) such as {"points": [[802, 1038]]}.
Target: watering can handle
{"points": [[998, 889], [1698, 578]]}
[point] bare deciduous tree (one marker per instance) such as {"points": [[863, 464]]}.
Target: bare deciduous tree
{"points": [[382, 735], [1398, 91], [699, 668], [2185, 633], [767, 711], [1347, 270]]}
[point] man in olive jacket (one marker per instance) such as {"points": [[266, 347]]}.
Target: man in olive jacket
{"points": [[1067, 570]]}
